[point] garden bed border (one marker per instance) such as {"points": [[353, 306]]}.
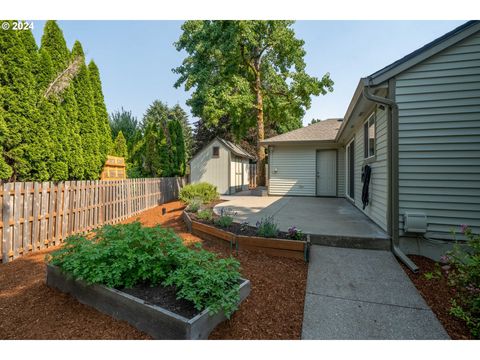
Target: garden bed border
{"points": [[152, 319], [297, 249]]}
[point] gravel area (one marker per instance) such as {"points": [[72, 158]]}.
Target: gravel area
{"points": [[31, 310]]}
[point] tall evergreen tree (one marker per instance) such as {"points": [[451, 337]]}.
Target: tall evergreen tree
{"points": [[26, 149], [66, 110], [181, 115], [119, 147], [104, 131], [87, 118], [123, 120], [177, 148]]}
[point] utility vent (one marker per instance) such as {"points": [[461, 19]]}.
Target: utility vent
{"points": [[415, 222]]}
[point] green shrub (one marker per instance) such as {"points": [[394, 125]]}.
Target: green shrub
{"points": [[126, 255], [267, 227], [465, 277], [194, 205], [226, 218], [206, 215], [204, 191]]}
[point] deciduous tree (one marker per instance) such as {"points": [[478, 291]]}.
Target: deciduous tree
{"points": [[252, 72]]}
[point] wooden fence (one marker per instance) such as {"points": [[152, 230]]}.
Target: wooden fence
{"points": [[34, 216]]}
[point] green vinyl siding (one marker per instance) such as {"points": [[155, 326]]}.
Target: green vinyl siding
{"points": [[378, 202], [439, 139]]}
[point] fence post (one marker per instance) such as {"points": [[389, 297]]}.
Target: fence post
{"points": [[6, 222]]}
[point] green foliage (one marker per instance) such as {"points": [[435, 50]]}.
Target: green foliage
{"points": [[465, 277], [208, 282], [224, 221], [205, 215], [127, 255], [104, 131], [123, 120], [226, 217], [204, 191], [267, 227], [87, 118], [179, 114], [120, 146], [194, 205], [62, 137], [27, 148], [295, 233], [435, 274], [251, 72]]}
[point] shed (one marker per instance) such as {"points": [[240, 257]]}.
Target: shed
{"points": [[223, 164]]}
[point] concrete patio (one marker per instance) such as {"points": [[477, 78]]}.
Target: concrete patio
{"points": [[330, 221]]}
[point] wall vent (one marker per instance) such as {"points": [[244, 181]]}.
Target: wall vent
{"points": [[415, 222]]}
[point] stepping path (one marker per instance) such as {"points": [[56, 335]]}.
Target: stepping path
{"points": [[363, 294]]}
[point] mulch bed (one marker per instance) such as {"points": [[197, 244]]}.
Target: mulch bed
{"points": [[273, 310], [437, 293]]}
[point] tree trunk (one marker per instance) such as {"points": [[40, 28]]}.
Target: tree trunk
{"points": [[260, 132]]}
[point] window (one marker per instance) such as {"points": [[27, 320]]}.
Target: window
{"points": [[369, 137], [216, 151]]}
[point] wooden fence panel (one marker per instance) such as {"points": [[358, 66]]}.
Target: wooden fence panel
{"points": [[34, 216]]}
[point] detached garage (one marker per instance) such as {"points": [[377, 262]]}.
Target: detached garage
{"points": [[223, 164], [306, 161]]}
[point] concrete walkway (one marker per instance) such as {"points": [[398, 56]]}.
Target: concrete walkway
{"points": [[363, 294]]}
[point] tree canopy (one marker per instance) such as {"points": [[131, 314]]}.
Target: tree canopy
{"points": [[249, 72]]}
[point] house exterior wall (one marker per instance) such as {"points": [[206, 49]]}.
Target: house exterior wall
{"points": [[292, 170], [439, 139], [378, 202], [205, 168], [341, 171]]}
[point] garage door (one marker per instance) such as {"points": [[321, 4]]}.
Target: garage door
{"points": [[327, 173]]}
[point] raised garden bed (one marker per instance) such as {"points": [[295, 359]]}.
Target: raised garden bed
{"points": [[170, 321], [244, 237]]}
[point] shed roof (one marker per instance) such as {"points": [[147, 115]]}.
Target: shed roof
{"points": [[325, 130], [235, 149]]}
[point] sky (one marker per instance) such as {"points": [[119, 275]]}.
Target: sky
{"points": [[136, 58]]}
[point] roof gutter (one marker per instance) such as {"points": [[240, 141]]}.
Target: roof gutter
{"points": [[392, 133]]}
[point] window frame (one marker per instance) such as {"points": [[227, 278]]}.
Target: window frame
{"points": [[217, 155], [366, 137]]}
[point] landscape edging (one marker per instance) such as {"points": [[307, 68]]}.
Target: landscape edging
{"points": [[297, 249]]}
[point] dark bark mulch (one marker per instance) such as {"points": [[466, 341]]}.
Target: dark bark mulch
{"points": [[437, 293], [165, 297], [246, 230], [273, 310]]}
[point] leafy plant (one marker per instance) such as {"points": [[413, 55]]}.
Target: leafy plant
{"points": [[194, 205], [126, 255], [206, 215], [226, 217], [267, 227], [435, 274], [208, 282], [203, 191], [465, 277], [295, 233]]}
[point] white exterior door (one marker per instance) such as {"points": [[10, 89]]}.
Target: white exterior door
{"points": [[327, 173]]}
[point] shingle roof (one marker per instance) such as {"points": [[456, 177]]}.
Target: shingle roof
{"points": [[237, 150], [325, 130]]}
